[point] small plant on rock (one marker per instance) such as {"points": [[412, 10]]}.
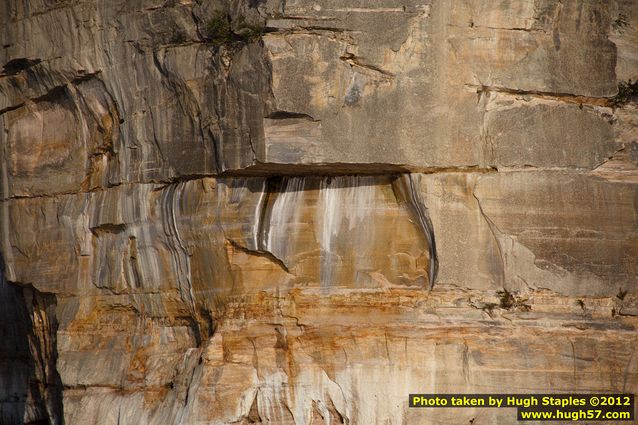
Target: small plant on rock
{"points": [[218, 30], [222, 31], [489, 308], [581, 304], [627, 92], [621, 294], [620, 23], [178, 37], [510, 301]]}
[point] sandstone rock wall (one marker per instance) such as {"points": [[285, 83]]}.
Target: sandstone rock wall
{"points": [[369, 199]]}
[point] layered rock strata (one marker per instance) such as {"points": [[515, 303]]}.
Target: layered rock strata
{"points": [[367, 199]]}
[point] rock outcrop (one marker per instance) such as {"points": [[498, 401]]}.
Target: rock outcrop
{"points": [[295, 212]]}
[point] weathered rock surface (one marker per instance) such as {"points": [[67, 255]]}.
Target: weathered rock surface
{"points": [[369, 199]]}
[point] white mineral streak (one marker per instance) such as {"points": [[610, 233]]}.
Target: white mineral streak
{"points": [[284, 218], [344, 199], [257, 217], [170, 203], [345, 204], [343, 220]]}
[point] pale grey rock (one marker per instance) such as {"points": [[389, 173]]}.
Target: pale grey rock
{"points": [[469, 253], [526, 133], [205, 234], [170, 104], [540, 46], [567, 232], [624, 34], [422, 76]]}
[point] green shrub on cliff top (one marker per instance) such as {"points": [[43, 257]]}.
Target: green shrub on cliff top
{"points": [[220, 32]]}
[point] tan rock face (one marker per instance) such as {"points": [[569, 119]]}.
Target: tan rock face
{"points": [[265, 231], [367, 200]]}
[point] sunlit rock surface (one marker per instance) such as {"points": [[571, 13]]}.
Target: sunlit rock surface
{"points": [[368, 200]]}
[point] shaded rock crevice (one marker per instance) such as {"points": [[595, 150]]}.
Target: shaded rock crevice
{"points": [[260, 253], [30, 385], [406, 191], [604, 101]]}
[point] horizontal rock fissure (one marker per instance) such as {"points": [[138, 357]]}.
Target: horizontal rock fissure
{"points": [[274, 170], [16, 65], [563, 97], [282, 115], [51, 93], [108, 228]]}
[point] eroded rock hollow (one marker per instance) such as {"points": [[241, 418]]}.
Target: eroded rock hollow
{"points": [[300, 212]]}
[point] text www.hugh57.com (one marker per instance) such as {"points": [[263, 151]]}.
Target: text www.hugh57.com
{"points": [[572, 415]]}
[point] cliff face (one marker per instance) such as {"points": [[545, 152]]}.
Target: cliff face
{"points": [[314, 211]]}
